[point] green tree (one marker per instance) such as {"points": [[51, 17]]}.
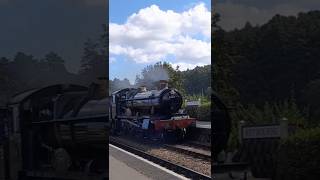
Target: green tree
{"points": [[93, 64], [197, 81], [53, 58]]}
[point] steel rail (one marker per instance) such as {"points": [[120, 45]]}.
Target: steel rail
{"points": [[189, 152], [197, 144], [189, 173]]}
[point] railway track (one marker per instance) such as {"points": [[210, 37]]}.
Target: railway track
{"points": [[204, 146], [190, 150], [189, 173]]}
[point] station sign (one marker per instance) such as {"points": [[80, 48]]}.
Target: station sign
{"points": [[273, 131], [193, 103]]}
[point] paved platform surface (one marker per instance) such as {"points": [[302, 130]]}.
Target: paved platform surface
{"points": [[203, 124], [119, 171], [123, 165]]}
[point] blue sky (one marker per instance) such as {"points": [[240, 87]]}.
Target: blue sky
{"points": [[119, 10], [124, 65]]}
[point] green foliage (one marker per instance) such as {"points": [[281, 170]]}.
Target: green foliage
{"points": [[196, 97], [268, 69], [197, 81], [204, 112], [233, 142], [270, 113], [24, 71], [222, 66], [250, 67], [299, 156], [201, 113], [311, 97], [256, 69], [192, 111], [94, 61], [53, 58]]}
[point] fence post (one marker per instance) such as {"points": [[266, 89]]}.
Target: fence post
{"points": [[283, 128], [241, 124]]}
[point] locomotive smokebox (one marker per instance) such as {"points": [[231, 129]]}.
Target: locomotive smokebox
{"points": [[163, 84]]}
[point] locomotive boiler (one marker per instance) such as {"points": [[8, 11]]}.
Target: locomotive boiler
{"points": [[165, 101], [155, 113]]}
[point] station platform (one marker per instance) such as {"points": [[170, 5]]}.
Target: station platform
{"points": [[202, 125], [124, 165]]}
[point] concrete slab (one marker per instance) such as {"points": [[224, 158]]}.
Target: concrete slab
{"points": [[123, 165], [203, 124]]}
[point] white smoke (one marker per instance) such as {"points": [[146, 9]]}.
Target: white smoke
{"points": [[151, 76]]}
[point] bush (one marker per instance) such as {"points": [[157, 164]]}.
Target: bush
{"points": [[192, 111], [299, 156], [202, 113]]}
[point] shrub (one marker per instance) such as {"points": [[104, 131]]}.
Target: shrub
{"points": [[299, 156], [202, 113], [192, 111]]}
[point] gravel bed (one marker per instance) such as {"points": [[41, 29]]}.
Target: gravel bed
{"points": [[196, 164], [185, 160]]}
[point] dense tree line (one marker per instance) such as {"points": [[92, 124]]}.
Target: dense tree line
{"points": [[271, 63], [192, 82], [24, 71], [268, 72]]}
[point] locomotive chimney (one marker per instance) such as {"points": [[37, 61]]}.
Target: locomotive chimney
{"points": [[163, 84]]}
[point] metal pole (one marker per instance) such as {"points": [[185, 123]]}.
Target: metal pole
{"points": [[240, 125], [283, 128]]}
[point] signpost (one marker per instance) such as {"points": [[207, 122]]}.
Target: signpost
{"points": [[261, 132], [259, 144], [193, 103], [264, 131]]}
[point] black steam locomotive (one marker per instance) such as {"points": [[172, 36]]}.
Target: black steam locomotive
{"points": [[153, 113], [59, 131]]}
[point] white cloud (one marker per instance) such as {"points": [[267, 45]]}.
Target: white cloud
{"points": [[184, 66], [152, 35]]}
